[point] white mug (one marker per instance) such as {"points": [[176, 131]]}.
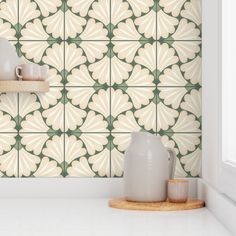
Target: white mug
{"points": [[31, 72]]}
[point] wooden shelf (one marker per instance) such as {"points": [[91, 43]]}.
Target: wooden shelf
{"points": [[121, 203], [24, 86]]}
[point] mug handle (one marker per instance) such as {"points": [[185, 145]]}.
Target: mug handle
{"points": [[18, 69], [172, 162]]}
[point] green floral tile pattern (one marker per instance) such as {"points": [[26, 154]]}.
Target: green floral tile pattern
{"points": [[115, 66]]}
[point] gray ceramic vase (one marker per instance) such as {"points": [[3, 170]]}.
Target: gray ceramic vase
{"points": [[148, 165]]}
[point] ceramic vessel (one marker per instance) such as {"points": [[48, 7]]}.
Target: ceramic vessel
{"points": [[148, 165], [178, 190], [8, 60], [31, 72]]}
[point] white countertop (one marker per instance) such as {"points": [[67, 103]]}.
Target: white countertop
{"points": [[92, 217]]}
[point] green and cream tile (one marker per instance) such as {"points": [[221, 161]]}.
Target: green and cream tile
{"points": [[87, 63], [41, 155], [133, 109], [172, 110], [89, 20], [9, 159], [89, 154], [41, 20], [8, 147], [9, 27], [133, 63], [171, 64], [179, 20], [42, 112], [156, 20], [9, 113], [114, 67], [179, 63], [126, 50], [34, 51], [61, 20], [167, 109], [179, 110], [134, 20], [94, 75], [87, 109]]}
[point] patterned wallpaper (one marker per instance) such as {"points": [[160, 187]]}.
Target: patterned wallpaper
{"points": [[115, 66]]}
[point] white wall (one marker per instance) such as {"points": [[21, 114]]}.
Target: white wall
{"points": [[210, 91]]}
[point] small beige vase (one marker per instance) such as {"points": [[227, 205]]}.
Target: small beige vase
{"points": [[178, 190]]}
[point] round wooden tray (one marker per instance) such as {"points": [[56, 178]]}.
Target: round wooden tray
{"points": [[156, 206]]}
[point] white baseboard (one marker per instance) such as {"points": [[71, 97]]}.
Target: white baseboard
{"points": [[221, 206], [69, 187]]}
